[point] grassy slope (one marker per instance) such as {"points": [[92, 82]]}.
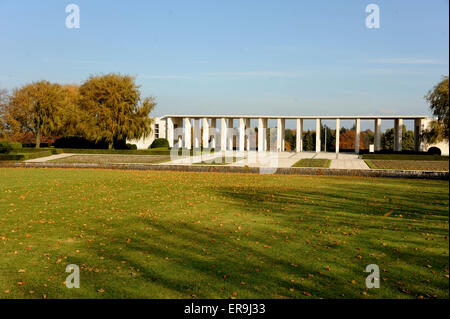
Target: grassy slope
{"points": [[220, 160], [118, 158], [408, 165], [405, 157], [312, 162], [180, 235]]}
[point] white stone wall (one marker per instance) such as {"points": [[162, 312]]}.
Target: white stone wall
{"points": [[443, 146], [144, 143]]}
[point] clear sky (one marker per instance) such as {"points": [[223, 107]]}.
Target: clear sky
{"points": [[237, 57]]}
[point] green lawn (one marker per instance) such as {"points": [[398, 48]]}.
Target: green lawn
{"points": [[405, 157], [118, 158], [408, 165], [313, 162], [220, 160], [160, 234]]}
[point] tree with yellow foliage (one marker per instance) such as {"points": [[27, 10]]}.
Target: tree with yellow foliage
{"points": [[113, 110], [3, 103], [37, 108]]}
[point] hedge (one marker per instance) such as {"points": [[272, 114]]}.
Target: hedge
{"points": [[6, 147], [159, 142], [24, 156], [161, 151]]}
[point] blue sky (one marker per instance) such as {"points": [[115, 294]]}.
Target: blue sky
{"points": [[237, 57]]}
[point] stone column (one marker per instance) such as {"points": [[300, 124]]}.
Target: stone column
{"points": [[280, 134], [241, 134], [261, 135], [178, 131], [187, 133], [418, 128], [377, 138], [266, 140], [247, 135], [299, 136], [170, 131], [230, 134], [213, 135], [398, 135], [223, 134], [197, 133], [205, 135], [318, 146], [338, 133], [357, 134]]}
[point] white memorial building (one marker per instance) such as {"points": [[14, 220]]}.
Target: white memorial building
{"points": [[227, 132]]}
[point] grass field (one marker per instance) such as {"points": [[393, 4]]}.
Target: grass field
{"points": [[408, 165], [117, 158], [220, 160], [405, 157], [313, 162], [159, 234]]}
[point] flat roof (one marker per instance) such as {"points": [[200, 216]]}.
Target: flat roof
{"points": [[307, 117]]}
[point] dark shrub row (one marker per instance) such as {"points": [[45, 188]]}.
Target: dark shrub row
{"points": [[24, 156], [6, 147], [83, 143]]}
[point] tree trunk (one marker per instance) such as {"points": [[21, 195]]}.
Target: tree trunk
{"points": [[110, 145], [38, 139]]}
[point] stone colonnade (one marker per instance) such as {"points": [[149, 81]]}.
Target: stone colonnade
{"points": [[196, 131]]}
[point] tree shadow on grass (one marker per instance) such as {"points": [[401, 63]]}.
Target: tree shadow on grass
{"points": [[191, 261]]}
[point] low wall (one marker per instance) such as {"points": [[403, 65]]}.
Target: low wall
{"points": [[240, 169]]}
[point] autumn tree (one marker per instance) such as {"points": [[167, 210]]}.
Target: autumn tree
{"points": [[113, 109], [347, 140], [438, 99], [3, 104], [36, 108], [73, 117], [289, 136]]}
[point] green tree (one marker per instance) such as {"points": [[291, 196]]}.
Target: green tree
{"points": [[407, 139], [438, 99], [309, 141], [387, 139], [36, 108], [330, 136], [113, 109]]}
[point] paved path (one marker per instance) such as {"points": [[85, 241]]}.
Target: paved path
{"points": [[349, 164], [282, 160], [48, 158], [287, 159], [256, 159], [348, 161]]}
